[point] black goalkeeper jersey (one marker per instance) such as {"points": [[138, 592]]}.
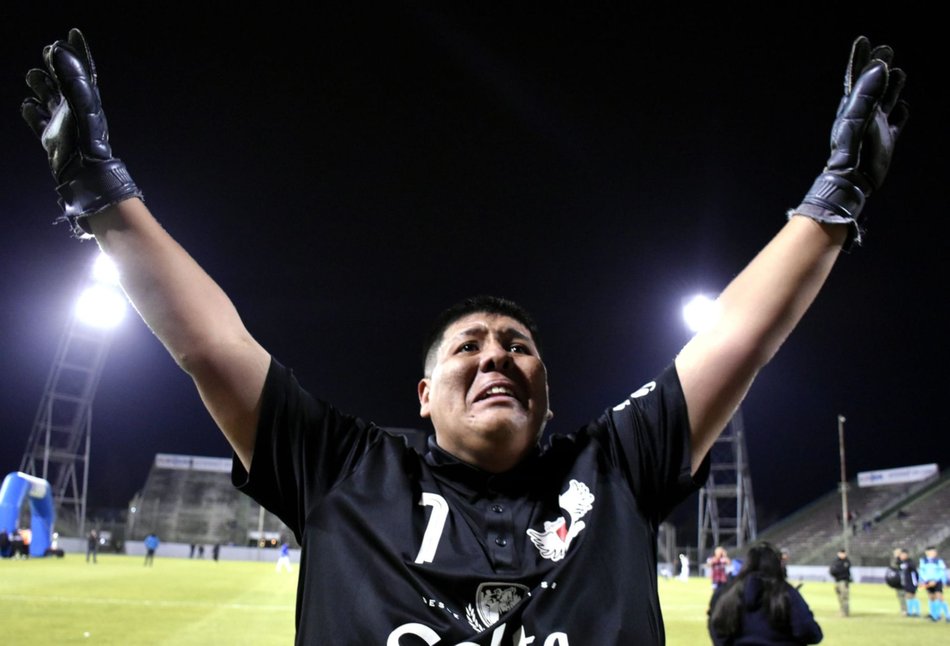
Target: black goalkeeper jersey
{"points": [[403, 545]]}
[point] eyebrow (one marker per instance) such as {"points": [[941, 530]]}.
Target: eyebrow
{"points": [[481, 330]]}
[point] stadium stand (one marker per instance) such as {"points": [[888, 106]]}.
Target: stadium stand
{"points": [[910, 515], [190, 499]]}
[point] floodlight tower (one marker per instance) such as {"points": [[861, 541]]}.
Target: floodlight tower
{"points": [[59, 443], [726, 506]]}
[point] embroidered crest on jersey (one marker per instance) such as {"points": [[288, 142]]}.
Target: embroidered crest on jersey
{"points": [[492, 601], [556, 538]]}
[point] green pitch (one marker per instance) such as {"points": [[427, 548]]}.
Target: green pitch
{"points": [[120, 601], [182, 602]]}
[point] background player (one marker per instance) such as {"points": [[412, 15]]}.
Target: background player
{"points": [[720, 566], [932, 573], [910, 581]]}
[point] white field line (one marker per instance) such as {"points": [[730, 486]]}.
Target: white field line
{"points": [[109, 601]]}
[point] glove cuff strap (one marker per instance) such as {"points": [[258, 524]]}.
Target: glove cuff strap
{"points": [[96, 187], [836, 200]]}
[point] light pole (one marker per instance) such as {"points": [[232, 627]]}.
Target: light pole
{"points": [[101, 305], [61, 436], [845, 521]]}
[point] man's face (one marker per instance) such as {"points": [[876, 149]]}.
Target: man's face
{"points": [[487, 391], [931, 554]]}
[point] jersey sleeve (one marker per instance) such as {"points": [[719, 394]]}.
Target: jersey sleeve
{"points": [[303, 447], [650, 434]]}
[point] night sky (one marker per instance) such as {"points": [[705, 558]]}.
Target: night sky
{"points": [[347, 174]]}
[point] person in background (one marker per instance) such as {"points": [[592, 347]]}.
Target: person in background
{"points": [[894, 570], [283, 561], [684, 568], [786, 556], [840, 571], [759, 606], [26, 536], [151, 544], [720, 567], [909, 582], [18, 551], [54, 549], [92, 545], [933, 577]]}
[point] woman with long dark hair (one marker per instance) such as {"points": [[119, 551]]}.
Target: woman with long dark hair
{"points": [[759, 606]]}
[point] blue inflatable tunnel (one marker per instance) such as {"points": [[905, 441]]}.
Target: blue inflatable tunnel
{"points": [[17, 486]]}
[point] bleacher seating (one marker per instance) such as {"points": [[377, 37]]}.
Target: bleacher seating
{"points": [[191, 500], [885, 517]]}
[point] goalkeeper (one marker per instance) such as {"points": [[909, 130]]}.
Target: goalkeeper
{"points": [[430, 544]]}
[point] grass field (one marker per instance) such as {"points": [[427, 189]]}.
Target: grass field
{"points": [[875, 615], [183, 602]]}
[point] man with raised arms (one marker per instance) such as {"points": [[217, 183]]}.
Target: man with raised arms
{"points": [[475, 534]]}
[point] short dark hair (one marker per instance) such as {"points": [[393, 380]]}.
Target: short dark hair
{"points": [[482, 303]]}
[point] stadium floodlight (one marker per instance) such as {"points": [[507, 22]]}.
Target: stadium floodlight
{"points": [[104, 270], [102, 305], [58, 449], [700, 312]]}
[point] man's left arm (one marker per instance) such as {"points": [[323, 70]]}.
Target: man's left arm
{"points": [[764, 303], [757, 312]]}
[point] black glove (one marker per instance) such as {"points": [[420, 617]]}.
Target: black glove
{"points": [[66, 114], [870, 118]]}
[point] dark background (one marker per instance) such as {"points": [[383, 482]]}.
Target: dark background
{"points": [[344, 173]]}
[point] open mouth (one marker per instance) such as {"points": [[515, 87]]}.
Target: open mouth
{"points": [[496, 391]]}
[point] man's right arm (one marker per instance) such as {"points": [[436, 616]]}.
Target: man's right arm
{"points": [[191, 315], [181, 304]]}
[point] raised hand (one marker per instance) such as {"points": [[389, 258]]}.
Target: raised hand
{"points": [[870, 118], [65, 112]]}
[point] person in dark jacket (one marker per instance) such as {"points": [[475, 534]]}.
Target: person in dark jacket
{"points": [[894, 570], [760, 607], [92, 546], [840, 571]]}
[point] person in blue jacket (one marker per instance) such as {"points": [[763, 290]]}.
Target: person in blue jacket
{"points": [[151, 544], [933, 576], [759, 606], [909, 582]]}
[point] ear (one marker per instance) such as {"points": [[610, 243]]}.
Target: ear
{"points": [[549, 415], [423, 389]]}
